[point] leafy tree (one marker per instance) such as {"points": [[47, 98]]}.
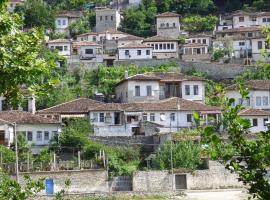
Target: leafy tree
{"points": [[198, 24], [8, 156], [37, 13], [20, 62], [79, 27], [185, 154]]}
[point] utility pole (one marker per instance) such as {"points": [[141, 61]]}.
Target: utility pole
{"points": [[16, 153]]}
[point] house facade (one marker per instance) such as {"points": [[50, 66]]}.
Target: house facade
{"points": [[168, 115], [107, 18], [38, 131], [63, 46], [135, 51], [259, 119], [88, 51], [163, 47], [64, 19], [157, 86], [259, 94], [168, 25]]}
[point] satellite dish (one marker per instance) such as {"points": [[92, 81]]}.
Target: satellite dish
{"points": [[163, 117]]}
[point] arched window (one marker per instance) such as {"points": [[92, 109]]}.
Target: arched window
{"points": [[167, 24]]}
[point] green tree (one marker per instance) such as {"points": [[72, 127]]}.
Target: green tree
{"points": [[79, 27], [185, 154], [7, 155], [20, 61], [37, 13], [198, 23]]}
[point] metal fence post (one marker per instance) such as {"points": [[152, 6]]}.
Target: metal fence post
{"points": [[79, 159]]}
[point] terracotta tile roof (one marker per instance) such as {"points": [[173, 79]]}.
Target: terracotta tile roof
{"points": [[173, 76], [254, 112], [25, 118], [255, 14], [59, 41], [85, 34], [84, 43], [77, 106], [168, 14], [70, 14], [172, 104], [200, 35], [139, 77], [112, 31], [241, 29], [134, 45], [159, 39], [130, 37], [252, 85]]}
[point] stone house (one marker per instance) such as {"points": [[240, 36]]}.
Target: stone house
{"points": [[63, 46], [88, 51], [163, 47], [169, 115], [259, 94], [156, 86], [107, 19], [37, 129], [64, 19], [168, 25], [259, 119], [134, 51]]}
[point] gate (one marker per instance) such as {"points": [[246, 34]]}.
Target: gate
{"points": [[180, 181], [121, 183]]}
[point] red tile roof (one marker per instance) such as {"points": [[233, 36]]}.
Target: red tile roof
{"points": [[252, 85], [168, 14], [159, 39], [254, 112], [134, 45]]}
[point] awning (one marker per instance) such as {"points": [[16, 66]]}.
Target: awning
{"points": [[133, 113]]}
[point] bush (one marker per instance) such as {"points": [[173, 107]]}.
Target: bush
{"points": [[8, 156]]}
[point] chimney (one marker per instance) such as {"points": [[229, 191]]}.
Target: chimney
{"points": [[32, 104], [126, 74]]}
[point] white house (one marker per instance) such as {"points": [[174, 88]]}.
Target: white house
{"points": [[127, 39], [163, 47], [63, 46], [88, 51], [168, 25], [64, 19], [155, 86], [168, 115], [134, 51], [107, 19], [90, 37], [259, 119], [37, 130], [259, 47], [259, 94]]}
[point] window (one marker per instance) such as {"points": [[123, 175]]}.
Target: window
{"points": [[160, 46], [127, 52], [241, 44], [65, 48], [255, 122], [29, 135], [254, 19], [204, 41], [168, 46], [147, 52], [172, 117], [156, 46], [193, 41], [258, 101], [144, 117], [250, 34], [101, 117], [174, 25], [259, 44], [241, 19], [100, 18], [265, 120], [268, 19], [89, 51], [265, 101], [199, 40], [46, 135], [189, 117], [152, 117], [137, 91], [248, 102], [149, 90], [162, 117], [187, 89], [64, 22], [264, 19], [39, 135], [106, 17], [139, 52], [95, 117], [94, 38], [172, 46], [196, 89], [59, 22], [240, 101], [111, 18], [168, 25], [108, 118], [164, 46], [59, 48]]}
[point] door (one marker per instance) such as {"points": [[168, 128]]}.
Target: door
{"points": [[180, 182], [2, 137]]}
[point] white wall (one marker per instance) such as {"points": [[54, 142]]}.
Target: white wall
{"points": [[66, 48], [192, 97], [61, 22], [261, 126], [241, 49], [256, 52], [133, 53]]}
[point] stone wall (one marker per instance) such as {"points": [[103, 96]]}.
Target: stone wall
{"points": [[81, 181], [216, 177]]}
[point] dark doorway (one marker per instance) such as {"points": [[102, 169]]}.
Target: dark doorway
{"points": [[2, 137], [117, 120], [180, 182]]}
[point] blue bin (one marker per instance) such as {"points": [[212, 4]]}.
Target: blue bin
{"points": [[49, 186]]}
